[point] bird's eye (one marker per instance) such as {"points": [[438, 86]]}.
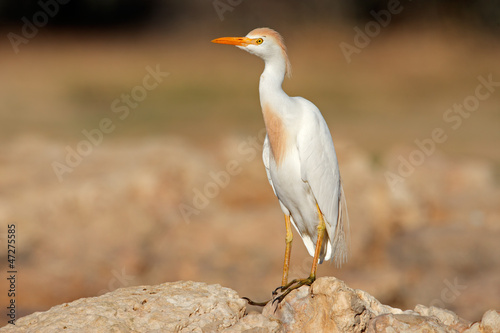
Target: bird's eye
{"points": [[259, 41]]}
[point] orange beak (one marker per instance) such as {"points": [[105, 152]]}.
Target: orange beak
{"points": [[238, 41]]}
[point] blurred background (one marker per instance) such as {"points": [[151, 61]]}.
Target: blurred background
{"points": [[130, 146]]}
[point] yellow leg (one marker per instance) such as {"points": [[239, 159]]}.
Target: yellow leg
{"points": [[286, 288], [286, 265], [295, 284], [288, 250], [319, 241]]}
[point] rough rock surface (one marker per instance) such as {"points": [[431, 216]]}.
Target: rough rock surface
{"points": [[169, 307], [329, 305]]}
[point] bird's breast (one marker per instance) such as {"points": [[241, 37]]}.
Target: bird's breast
{"points": [[277, 133]]}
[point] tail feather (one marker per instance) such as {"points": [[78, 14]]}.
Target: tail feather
{"points": [[341, 245]]}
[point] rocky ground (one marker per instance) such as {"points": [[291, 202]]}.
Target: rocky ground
{"points": [[329, 305]]}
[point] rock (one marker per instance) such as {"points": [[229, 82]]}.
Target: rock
{"points": [[329, 305], [490, 323], [407, 323], [256, 323], [169, 307], [444, 316]]}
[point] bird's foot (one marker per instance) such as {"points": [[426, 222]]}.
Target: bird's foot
{"points": [[255, 303], [288, 288], [285, 290]]}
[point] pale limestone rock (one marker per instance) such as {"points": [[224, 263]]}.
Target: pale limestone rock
{"points": [[410, 323], [446, 317], [490, 323], [329, 305], [169, 307], [256, 323]]}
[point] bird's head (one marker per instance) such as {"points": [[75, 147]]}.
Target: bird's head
{"points": [[263, 42]]}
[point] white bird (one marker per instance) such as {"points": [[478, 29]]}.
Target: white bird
{"points": [[300, 160]]}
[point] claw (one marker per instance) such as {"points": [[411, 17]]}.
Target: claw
{"points": [[285, 287], [275, 291], [295, 284], [255, 303]]}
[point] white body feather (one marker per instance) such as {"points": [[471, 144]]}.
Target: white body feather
{"points": [[309, 175]]}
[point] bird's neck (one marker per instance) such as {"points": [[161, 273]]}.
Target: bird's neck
{"points": [[273, 101], [270, 89]]}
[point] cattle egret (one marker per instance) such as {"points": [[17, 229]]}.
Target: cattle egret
{"points": [[300, 161]]}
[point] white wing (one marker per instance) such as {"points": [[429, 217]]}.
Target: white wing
{"points": [[265, 159], [319, 168]]}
